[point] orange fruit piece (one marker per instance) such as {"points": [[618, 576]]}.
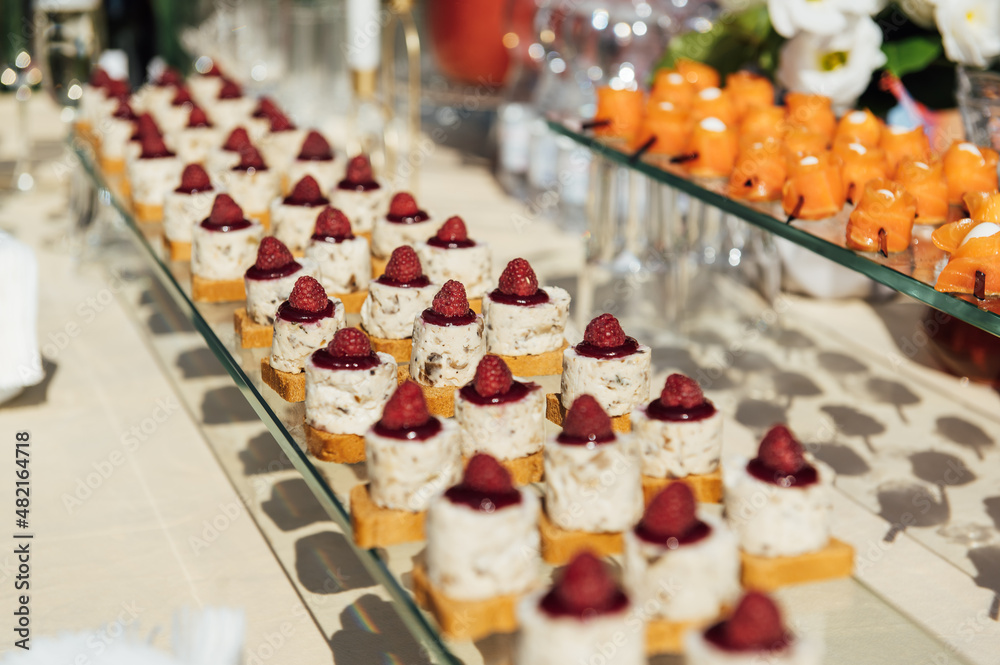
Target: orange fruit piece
{"points": [[760, 172], [899, 143], [885, 209], [624, 108], [763, 122], [925, 181], [669, 85], [814, 189], [712, 148], [859, 165], [811, 112], [699, 74], [714, 103], [969, 168], [670, 127], [859, 127], [749, 91]]}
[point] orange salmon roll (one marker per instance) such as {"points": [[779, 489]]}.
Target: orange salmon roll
{"points": [[764, 123], [859, 165], [983, 206], [948, 237], [711, 149], [714, 103], [811, 112], [814, 189], [623, 108], [671, 86], [900, 142], [800, 141], [979, 251], [883, 219], [969, 168], [925, 181], [670, 127], [749, 91], [760, 172], [859, 127], [699, 74]]}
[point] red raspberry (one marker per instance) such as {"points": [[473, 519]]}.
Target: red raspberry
{"points": [[250, 158], [195, 179], [273, 254], [406, 408], [683, 391], [451, 301], [198, 118], [333, 223], [671, 513], [214, 71], [124, 111], [586, 585], [350, 343], [404, 265], [306, 192], [225, 211], [315, 147], [230, 90], [308, 294], [403, 205], [280, 122], [153, 146], [99, 78], [781, 452], [587, 420], [604, 332], [453, 230], [484, 474], [117, 89], [181, 97], [755, 625], [266, 108], [237, 140], [146, 125], [492, 377], [518, 279], [169, 76], [359, 170]]}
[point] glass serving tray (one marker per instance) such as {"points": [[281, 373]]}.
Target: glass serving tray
{"points": [[912, 272], [854, 621]]}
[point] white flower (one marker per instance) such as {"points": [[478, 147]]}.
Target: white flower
{"points": [[920, 12], [839, 66], [970, 30], [821, 17]]}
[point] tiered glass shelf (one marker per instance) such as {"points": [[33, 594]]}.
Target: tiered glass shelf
{"points": [[912, 272], [839, 611]]}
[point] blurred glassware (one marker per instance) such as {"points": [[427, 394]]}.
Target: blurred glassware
{"points": [[68, 38], [467, 39], [979, 102], [20, 76]]}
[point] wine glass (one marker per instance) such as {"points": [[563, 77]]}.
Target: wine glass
{"points": [[67, 40]]}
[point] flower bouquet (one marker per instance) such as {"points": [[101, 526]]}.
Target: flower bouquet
{"points": [[837, 48]]}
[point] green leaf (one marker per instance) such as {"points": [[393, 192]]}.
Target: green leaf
{"points": [[912, 54], [734, 41]]}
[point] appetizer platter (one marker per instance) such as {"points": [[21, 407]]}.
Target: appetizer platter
{"points": [[862, 193], [495, 478]]}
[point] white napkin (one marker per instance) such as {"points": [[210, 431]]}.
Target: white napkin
{"points": [[20, 361]]}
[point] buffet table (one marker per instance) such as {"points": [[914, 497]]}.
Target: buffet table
{"points": [[194, 503]]}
